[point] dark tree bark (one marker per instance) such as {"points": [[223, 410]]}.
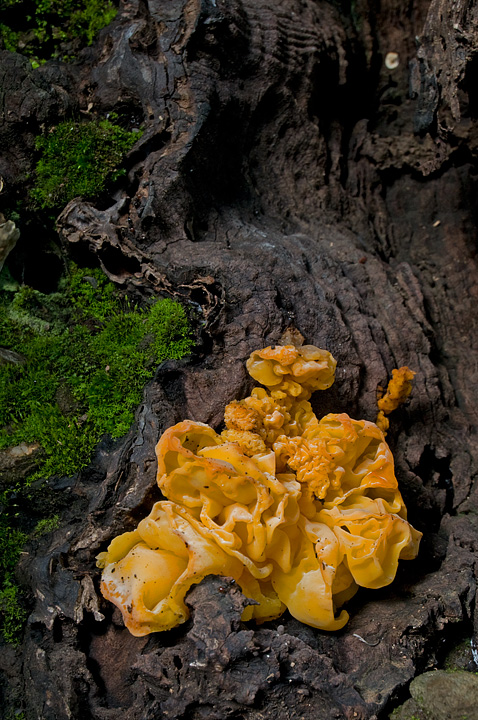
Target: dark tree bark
{"points": [[286, 176]]}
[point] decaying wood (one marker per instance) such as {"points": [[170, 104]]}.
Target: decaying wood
{"points": [[286, 177]]}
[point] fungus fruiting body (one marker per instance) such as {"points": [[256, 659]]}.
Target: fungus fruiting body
{"points": [[398, 390], [300, 511]]}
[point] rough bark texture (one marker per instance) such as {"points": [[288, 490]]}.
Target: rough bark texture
{"points": [[285, 177]]}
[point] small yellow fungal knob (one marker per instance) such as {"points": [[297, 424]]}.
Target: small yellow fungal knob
{"points": [[398, 390]]}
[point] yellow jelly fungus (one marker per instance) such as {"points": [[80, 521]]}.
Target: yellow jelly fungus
{"points": [[299, 511], [398, 390]]}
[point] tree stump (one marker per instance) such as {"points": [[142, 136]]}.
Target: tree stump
{"points": [[304, 163]]}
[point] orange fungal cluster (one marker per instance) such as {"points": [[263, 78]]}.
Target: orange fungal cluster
{"points": [[299, 511]]}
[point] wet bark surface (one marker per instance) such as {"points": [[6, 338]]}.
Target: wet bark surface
{"points": [[286, 177]]}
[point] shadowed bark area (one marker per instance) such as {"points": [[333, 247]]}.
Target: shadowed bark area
{"points": [[286, 176]]}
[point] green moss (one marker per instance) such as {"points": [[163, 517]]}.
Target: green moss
{"points": [[89, 18], [460, 657], [47, 525], [402, 713], [44, 29], [87, 355], [10, 548], [12, 612], [10, 37], [164, 343], [77, 159]]}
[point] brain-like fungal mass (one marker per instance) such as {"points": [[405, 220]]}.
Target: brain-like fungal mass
{"points": [[300, 511]]}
